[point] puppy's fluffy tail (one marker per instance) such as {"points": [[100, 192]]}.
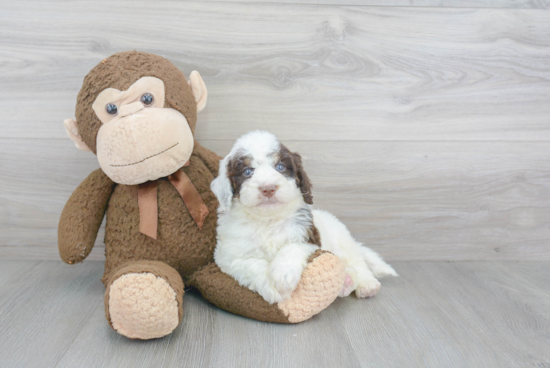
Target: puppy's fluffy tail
{"points": [[378, 267]]}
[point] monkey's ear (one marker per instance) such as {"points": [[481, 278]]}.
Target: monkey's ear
{"points": [[72, 132], [199, 89]]}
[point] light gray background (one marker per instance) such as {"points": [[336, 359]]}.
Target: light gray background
{"points": [[424, 128]]}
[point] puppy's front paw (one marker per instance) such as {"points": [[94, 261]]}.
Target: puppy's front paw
{"points": [[271, 295], [368, 288], [286, 278]]}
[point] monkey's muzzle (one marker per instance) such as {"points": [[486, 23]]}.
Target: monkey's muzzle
{"points": [[142, 144]]}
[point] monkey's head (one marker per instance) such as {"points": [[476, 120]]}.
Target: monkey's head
{"points": [[137, 113]]}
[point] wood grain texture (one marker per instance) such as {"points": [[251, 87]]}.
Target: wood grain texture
{"points": [[514, 4], [406, 200], [436, 314], [44, 308], [315, 72], [471, 314], [210, 337], [424, 127]]}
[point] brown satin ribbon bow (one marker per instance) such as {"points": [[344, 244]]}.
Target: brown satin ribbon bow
{"points": [[148, 208]]}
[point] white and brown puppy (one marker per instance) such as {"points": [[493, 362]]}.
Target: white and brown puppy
{"points": [[267, 229]]}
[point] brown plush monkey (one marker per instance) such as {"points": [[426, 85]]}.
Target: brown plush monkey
{"points": [[137, 113]]}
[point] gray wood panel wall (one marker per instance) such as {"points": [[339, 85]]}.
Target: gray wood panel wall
{"points": [[425, 126]]}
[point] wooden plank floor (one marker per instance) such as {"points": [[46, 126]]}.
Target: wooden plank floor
{"points": [[437, 314], [525, 4]]}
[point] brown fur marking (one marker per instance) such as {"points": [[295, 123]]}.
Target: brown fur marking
{"points": [[294, 168], [235, 171], [314, 237]]}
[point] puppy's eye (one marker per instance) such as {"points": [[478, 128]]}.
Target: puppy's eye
{"points": [[111, 109], [280, 167], [147, 99], [248, 172]]}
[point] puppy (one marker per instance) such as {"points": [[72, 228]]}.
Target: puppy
{"points": [[267, 229]]}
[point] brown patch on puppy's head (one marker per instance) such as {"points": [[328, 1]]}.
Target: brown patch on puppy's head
{"points": [[120, 71], [295, 169], [235, 171]]}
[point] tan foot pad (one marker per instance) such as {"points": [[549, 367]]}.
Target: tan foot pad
{"points": [[143, 306], [320, 285]]}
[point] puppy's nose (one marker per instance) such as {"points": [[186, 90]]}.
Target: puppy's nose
{"points": [[268, 190]]}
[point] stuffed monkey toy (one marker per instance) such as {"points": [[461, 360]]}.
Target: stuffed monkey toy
{"points": [[137, 113]]}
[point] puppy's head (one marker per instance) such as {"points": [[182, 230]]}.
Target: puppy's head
{"points": [[262, 175]]}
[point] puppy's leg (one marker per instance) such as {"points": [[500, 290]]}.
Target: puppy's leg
{"points": [[347, 288], [360, 277], [254, 274], [376, 264], [287, 267], [367, 284], [358, 260]]}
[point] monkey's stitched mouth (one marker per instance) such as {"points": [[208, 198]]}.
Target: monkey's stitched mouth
{"points": [[146, 158]]}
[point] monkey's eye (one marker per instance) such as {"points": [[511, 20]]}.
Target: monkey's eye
{"points": [[248, 172], [111, 109], [280, 167], [147, 99]]}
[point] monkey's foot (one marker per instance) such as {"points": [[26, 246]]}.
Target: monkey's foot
{"points": [[321, 283], [143, 305]]}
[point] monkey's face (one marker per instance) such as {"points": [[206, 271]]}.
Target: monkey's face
{"points": [[140, 139], [137, 112]]}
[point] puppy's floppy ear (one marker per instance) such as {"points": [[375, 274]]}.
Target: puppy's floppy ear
{"points": [[302, 180], [221, 187]]}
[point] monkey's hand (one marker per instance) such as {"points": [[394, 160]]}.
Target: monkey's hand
{"points": [[82, 217]]}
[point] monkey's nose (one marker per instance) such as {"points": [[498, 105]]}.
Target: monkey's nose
{"points": [[130, 109], [268, 190]]}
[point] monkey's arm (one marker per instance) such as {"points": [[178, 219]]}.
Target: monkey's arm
{"points": [[82, 217], [210, 159]]}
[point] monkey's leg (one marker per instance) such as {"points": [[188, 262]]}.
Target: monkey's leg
{"points": [[319, 286], [144, 300]]}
